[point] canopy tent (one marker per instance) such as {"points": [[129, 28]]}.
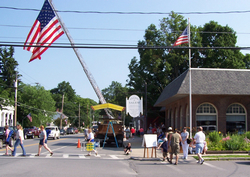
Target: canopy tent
{"points": [[108, 105]]}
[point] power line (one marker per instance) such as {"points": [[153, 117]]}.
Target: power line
{"points": [[129, 13], [124, 47]]}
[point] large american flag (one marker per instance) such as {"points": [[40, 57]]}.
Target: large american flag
{"points": [[183, 38], [44, 32]]}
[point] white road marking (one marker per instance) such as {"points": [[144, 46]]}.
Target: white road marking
{"points": [[82, 156], [65, 155], [113, 156], [213, 166]]}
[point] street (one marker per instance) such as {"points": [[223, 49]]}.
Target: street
{"points": [[110, 161]]}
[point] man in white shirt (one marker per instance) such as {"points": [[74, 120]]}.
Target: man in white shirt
{"points": [[199, 141]]}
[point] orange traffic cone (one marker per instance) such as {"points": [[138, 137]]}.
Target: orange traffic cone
{"points": [[78, 144]]}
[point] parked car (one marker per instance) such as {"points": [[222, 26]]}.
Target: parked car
{"points": [[94, 128], [70, 130], [31, 132], [54, 132], [209, 128], [62, 132], [76, 130], [3, 137]]}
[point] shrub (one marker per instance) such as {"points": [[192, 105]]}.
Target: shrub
{"points": [[215, 137]]}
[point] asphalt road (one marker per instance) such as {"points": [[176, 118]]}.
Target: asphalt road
{"points": [[68, 160]]}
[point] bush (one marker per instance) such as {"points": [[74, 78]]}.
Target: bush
{"points": [[215, 137]]}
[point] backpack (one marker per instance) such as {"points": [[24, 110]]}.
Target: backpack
{"points": [[10, 133], [48, 132]]}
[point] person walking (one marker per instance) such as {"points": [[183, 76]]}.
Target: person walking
{"points": [[164, 147], [199, 141], [175, 146], [43, 142], [91, 139], [19, 140], [184, 144], [132, 132], [7, 139]]}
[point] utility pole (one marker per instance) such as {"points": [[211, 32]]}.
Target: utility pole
{"points": [[79, 116], [15, 85], [61, 112]]}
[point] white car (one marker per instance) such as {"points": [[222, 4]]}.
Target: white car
{"points": [[54, 132]]}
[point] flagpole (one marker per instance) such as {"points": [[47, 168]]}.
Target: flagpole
{"points": [[190, 81]]}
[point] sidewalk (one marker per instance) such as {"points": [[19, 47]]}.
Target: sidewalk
{"points": [[138, 152]]}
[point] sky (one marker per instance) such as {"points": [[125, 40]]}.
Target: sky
{"points": [[106, 65]]}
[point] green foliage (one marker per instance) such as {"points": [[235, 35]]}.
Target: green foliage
{"points": [[8, 74], [159, 67], [37, 101], [235, 142], [215, 137]]}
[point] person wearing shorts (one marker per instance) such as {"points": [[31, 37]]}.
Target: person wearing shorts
{"points": [[43, 142], [175, 146], [199, 141]]}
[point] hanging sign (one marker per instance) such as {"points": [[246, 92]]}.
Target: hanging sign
{"points": [[134, 106]]}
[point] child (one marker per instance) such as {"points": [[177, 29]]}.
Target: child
{"points": [[127, 149], [164, 147], [205, 148]]}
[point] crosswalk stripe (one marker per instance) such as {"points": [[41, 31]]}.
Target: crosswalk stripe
{"points": [[82, 156], [65, 155], [113, 157]]}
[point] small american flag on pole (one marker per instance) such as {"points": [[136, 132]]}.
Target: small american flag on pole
{"points": [[183, 38], [44, 32], [29, 116]]}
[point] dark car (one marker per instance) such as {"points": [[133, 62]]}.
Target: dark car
{"points": [[32, 132], [29, 133], [62, 132], [94, 128], [70, 131], [3, 137]]}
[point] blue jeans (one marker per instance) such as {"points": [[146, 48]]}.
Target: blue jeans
{"points": [[18, 142], [199, 148]]}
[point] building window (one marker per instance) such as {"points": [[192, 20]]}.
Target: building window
{"points": [[236, 118], [206, 116]]}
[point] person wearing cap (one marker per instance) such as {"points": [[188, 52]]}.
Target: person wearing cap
{"points": [[164, 147], [199, 141], [175, 146], [168, 136], [184, 144]]}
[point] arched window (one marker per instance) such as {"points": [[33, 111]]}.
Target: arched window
{"points": [[206, 117], [187, 117], [176, 119], [236, 118], [181, 117]]}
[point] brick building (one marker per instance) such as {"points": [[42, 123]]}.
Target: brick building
{"points": [[220, 99]]}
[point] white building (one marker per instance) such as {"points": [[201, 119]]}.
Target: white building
{"points": [[7, 116]]}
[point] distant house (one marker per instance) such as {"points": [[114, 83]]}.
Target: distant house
{"points": [[59, 115], [220, 99], [7, 116]]}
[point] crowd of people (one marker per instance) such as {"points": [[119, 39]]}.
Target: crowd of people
{"points": [[171, 141]]}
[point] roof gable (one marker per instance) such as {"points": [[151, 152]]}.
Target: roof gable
{"points": [[207, 81]]}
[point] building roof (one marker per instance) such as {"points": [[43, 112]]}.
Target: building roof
{"points": [[207, 81]]}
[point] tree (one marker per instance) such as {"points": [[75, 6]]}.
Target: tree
{"points": [[159, 67], [116, 94], [8, 75], [37, 101], [86, 113], [215, 35], [70, 105]]}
